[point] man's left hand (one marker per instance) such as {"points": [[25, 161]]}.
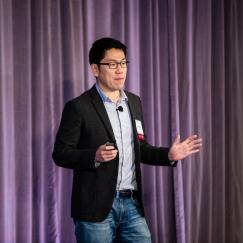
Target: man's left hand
{"points": [[180, 150]]}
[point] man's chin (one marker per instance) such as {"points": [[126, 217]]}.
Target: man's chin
{"points": [[118, 87]]}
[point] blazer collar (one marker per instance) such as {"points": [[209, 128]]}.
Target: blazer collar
{"points": [[100, 108]]}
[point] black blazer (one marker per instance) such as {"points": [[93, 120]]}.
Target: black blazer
{"points": [[84, 127]]}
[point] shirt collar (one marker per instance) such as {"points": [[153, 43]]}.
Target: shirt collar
{"points": [[104, 98]]}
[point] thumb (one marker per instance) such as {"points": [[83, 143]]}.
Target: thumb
{"points": [[177, 139]]}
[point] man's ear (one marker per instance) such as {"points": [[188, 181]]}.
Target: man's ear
{"points": [[95, 69]]}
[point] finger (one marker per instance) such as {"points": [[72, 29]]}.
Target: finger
{"points": [[199, 140], [113, 153], [193, 147], [109, 152], [196, 145], [195, 142], [177, 139], [194, 151], [191, 139], [102, 147], [109, 147], [109, 157]]}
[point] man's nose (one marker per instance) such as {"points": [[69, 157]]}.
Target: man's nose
{"points": [[119, 68]]}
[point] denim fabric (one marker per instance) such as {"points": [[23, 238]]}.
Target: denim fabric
{"points": [[123, 224]]}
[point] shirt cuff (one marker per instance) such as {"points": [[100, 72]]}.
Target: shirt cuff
{"points": [[172, 162], [97, 164]]}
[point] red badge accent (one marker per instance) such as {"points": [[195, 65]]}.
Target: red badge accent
{"points": [[141, 137]]}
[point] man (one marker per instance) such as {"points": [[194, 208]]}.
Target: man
{"points": [[101, 137]]}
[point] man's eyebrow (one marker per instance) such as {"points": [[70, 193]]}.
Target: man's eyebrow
{"points": [[114, 60]]}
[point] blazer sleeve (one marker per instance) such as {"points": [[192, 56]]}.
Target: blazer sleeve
{"points": [[66, 152]]}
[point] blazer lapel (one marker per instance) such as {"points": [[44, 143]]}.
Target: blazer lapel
{"points": [[135, 134], [100, 108]]}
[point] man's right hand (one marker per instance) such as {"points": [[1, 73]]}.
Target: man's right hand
{"points": [[105, 153]]}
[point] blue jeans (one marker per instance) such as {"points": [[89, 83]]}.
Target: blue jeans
{"points": [[123, 224]]}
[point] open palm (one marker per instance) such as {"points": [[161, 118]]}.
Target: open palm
{"points": [[180, 150]]}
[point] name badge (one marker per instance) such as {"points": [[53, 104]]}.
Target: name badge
{"points": [[139, 128]]}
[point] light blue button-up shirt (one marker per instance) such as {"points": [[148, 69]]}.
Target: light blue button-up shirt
{"points": [[122, 128]]}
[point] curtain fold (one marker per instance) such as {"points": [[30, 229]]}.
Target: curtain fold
{"points": [[186, 64]]}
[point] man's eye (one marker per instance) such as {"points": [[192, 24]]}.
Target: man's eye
{"points": [[112, 64]]}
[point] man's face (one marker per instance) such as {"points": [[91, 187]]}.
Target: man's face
{"points": [[111, 79]]}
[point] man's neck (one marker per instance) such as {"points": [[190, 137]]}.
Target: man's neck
{"points": [[114, 96]]}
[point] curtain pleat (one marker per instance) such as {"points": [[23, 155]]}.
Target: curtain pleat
{"points": [[185, 63]]}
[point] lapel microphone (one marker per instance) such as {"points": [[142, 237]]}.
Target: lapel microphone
{"points": [[119, 108]]}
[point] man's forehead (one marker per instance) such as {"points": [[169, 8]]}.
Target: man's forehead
{"points": [[114, 54]]}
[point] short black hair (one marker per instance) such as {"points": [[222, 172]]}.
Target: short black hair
{"points": [[100, 46]]}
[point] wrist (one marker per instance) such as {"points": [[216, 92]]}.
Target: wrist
{"points": [[170, 156]]}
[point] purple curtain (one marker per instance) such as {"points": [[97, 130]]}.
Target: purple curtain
{"points": [[186, 61]]}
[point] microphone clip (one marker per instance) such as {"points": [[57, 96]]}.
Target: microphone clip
{"points": [[119, 108]]}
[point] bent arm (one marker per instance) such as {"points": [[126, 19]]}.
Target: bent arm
{"points": [[66, 152], [153, 155]]}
